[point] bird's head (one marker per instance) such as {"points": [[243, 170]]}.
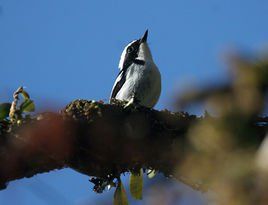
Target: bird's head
{"points": [[136, 51]]}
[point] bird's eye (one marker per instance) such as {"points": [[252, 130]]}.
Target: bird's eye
{"points": [[130, 49]]}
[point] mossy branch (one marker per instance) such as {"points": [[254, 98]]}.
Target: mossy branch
{"points": [[94, 138], [100, 140]]}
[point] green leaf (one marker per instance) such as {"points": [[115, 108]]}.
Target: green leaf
{"points": [[151, 173], [27, 106], [4, 110], [25, 94], [136, 183], [120, 196]]}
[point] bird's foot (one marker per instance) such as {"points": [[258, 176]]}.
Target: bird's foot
{"points": [[132, 105]]}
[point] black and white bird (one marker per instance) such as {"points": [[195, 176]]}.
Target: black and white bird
{"points": [[139, 80]]}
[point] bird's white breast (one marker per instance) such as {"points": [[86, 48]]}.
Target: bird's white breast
{"points": [[142, 82]]}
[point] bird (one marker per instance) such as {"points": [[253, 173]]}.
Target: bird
{"points": [[139, 79]]}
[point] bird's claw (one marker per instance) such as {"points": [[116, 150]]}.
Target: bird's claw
{"points": [[131, 106]]}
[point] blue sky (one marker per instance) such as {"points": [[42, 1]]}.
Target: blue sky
{"points": [[63, 50]]}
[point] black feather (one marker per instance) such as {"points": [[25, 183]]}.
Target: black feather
{"points": [[120, 83]]}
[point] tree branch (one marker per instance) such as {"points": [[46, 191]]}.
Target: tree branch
{"points": [[100, 140], [96, 139]]}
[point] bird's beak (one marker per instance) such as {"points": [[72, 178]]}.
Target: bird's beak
{"points": [[144, 37]]}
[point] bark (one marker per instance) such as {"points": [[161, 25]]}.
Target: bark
{"points": [[100, 140]]}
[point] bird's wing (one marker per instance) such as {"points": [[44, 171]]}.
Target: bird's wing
{"points": [[119, 82]]}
